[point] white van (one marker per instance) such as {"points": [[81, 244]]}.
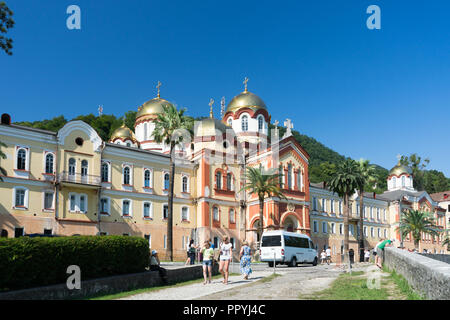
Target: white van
{"points": [[289, 248]]}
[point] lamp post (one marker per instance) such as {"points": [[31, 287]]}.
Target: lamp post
{"points": [[400, 220]]}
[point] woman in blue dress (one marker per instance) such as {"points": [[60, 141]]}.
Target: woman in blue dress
{"points": [[246, 259]]}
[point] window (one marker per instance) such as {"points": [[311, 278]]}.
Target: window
{"points": [[48, 200], [315, 227], [385, 233], [105, 172], [378, 213], [232, 216], [244, 123], [126, 175], [84, 168], [216, 213], [21, 159], [230, 121], [280, 177], [394, 182], [145, 131], [232, 243], [104, 206], [341, 228], [72, 166], [324, 227], [403, 181], [82, 203], [147, 206], [300, 180], [20, 198], [324, 205], [216, 242], [48, 231], [165, 241], [372, 234], [357, 208], [149, 239], [147, 174], [332, 206], [384, 214], [126, 207], [18, 232], [340, 207], [289, 176], [333, 227], [165, 211], [260, 123], [218, 180], [49, 163], [379, 233], [166, 181], [73, 201], [365, 231], [185, 184], [229, 181], [184, 214], [371, 212], [351, 229]]}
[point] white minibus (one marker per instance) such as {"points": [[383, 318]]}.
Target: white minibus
{"points": [[287, 248]]}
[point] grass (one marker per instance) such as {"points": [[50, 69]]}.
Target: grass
{"points": [[403, 285], [270, 278], [350, 287], [150, 289]]}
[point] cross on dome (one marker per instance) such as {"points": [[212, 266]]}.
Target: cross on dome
{"points": [[211, 102], [245, 84], [157, 87]]}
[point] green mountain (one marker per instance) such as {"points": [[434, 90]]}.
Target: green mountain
{"points": [[322, 158]]}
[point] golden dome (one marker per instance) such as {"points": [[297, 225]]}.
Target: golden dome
{"points": [[246, 99], [152, 107], [209, 127], [400, 169], [123, 133]]}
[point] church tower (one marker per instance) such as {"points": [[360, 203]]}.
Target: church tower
{"points": [[400, 178]]}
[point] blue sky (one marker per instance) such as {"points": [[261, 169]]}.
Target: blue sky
{"points": [[364, 93]]}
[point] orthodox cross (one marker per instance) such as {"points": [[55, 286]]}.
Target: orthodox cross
{"points": [[399, 157], [289, 125], [222, 107], [276, 127], [158, 86], [211, 102], [245, 84], [100, 110]]}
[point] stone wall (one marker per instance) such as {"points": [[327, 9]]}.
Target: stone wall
{"points": [[109, 285], [441, 257], [427, 276]]}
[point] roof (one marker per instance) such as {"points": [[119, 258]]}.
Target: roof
{"points": [[398, 194], [29, 129], [367, 195], [441, 196]]}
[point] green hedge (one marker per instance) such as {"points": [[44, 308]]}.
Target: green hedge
{"points": [[32, 262]]}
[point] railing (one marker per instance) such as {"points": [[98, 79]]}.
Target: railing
{"points": [[79, 178]]}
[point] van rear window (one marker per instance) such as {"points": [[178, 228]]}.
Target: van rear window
{"points": [[271, 241]]}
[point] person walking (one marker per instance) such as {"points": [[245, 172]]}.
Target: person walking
{"points": [[208, 254], [246, 259], [323, 257], [366, 255], [225, 258], [328, 252], [191, 250]]}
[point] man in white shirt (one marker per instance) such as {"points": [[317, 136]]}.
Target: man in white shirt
{"points": [[328, 252]]}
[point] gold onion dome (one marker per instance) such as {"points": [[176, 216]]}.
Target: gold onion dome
{"points": [[210, 127], [400, 169], [246, 99], [123, 133], [152, 107]]}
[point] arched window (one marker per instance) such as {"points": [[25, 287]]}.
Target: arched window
{"points": [[230, 121], [21, 159], [126, 175], [166, 181], [219, 180], [20, 198], [147, 209], [105, 172], [403, 181], [147, 179], [300, 179], [289, 176], [229, 181], [72, 166], [244, 123], [49, 163], [280, 177], [216, 213], [145, 131], [394, 182], [84, 168], [184, 214], [185, 184], [260, 123]]}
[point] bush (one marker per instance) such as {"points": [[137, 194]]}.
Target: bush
{"points": [[31, 262]]}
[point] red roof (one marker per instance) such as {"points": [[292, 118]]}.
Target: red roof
{"points": [[441, 196]]}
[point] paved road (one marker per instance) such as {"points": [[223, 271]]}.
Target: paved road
{"points": [[303, 279]]}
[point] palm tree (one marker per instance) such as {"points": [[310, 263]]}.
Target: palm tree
{"points": [[262, 183], [416, 223], [170, 128], [368, 178], [447, 240], [3, 156], [344, 182]]}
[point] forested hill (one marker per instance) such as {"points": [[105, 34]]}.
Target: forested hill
{"points": [[323, 159]]}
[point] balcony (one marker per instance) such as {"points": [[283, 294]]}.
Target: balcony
{"points": [[79, 179]]}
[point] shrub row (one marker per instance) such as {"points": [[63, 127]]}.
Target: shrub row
{"points": [[31, 262]]}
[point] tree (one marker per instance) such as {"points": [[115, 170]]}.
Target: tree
{"points": [[170, 127], [417, 165], [446, 241], [369, 178], [262, 183], [3, 156], [6, 22], [322, 172], [344, 182], [416, 223]]}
